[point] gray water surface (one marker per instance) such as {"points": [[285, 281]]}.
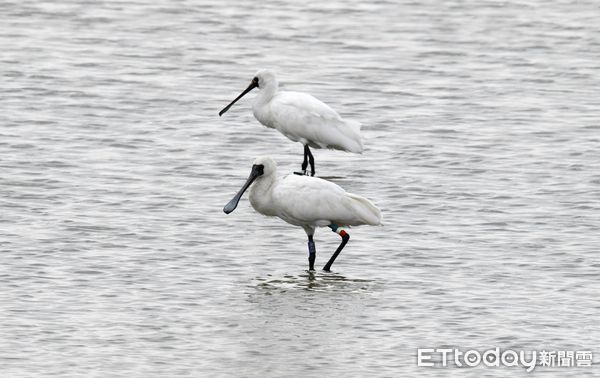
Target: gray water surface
{"points": [[482, 148]]}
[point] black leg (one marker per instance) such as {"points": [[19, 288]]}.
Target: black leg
{"points": [[312, 253], [311, 159], [305, 162], [345, 238]]}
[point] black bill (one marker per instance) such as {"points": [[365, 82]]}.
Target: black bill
{"points": [[257, 170], [253, 84]]}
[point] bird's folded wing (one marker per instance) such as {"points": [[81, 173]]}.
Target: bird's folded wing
{"points": [[305, 117], [308, 199]]}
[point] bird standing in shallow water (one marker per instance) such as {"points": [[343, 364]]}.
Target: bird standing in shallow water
{"points": [[308, 202], [301, 118]]}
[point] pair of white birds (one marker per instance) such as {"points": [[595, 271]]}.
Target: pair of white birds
{"points": [[299, 199]]}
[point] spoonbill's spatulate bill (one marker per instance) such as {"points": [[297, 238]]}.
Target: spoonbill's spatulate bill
{"points": [[308, 202], [301, 118]]}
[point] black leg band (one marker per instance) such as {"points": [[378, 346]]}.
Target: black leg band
{"points": [[312, 253]]}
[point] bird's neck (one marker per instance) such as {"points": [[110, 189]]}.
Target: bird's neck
{"points": [[265, 94], [261, 194]]}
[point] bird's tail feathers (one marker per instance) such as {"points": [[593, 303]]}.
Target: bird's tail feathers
{"points": [[355, 142], [354, 125], [368, 212]]}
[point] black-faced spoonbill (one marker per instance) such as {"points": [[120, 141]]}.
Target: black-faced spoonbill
{"points": [[301, 118], [308, 202]]}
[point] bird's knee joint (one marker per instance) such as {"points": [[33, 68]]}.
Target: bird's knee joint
{"points": [[345, 236]]}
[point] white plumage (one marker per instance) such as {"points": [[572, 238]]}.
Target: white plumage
{"points": [[308, 202], [301, 117]]}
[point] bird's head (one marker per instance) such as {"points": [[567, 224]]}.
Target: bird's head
{"points": [[263, 80], [263, 166], [269, 165]]}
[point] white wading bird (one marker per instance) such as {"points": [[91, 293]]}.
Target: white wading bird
{"points": [[301, 118], [308, 202]]}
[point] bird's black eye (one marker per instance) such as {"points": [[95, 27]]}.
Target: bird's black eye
{"points": [[260, 169], [255, 81]]}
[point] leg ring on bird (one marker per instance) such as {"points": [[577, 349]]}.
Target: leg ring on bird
{"points": [[338, 230], [345, 237], [311, 253]]}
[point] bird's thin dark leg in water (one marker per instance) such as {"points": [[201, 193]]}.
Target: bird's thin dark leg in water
{"points": [[305, 162], [311, 159], [345, 238], [312, 253]]}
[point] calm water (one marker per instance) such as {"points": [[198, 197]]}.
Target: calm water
{"points": [[482, 130]]}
